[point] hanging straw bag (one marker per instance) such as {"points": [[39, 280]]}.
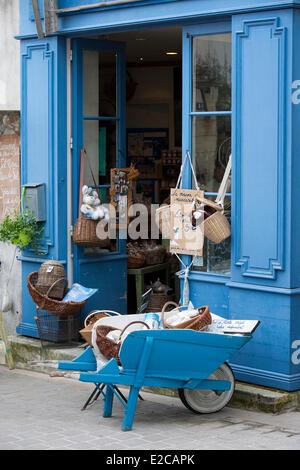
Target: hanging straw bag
{"points": [[85, 230], [216, 225], [108, 347], [163, 213], [201, 319]]}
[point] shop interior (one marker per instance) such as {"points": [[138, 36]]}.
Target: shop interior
{"points": [[153, 139]]}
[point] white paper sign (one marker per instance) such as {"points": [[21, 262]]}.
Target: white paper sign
{"points": [[221, 325]]}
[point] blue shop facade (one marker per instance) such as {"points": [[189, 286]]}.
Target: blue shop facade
{"points": [[206, 76]]}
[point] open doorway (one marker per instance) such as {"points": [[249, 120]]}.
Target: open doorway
{"points": [[153, 146]]}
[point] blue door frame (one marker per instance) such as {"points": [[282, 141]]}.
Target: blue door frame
{"points": [[102, 270]]}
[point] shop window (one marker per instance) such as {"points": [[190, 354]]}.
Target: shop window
{"points": [[100, 125], [211, 132]]}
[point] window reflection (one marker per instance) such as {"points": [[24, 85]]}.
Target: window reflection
{"points": [[211, 133], [212, 73]]}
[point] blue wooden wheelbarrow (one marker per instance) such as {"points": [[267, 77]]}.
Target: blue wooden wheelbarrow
{"points": [[193, 362]]}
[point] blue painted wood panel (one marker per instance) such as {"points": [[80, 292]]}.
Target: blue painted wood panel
{"points": [[146, 12], [43, 136], [268, 359], [260, 201], [43, 152]]}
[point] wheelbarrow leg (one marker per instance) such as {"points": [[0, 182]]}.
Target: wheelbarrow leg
{"points": [[96, 392], [130, 409], [108, 401]]}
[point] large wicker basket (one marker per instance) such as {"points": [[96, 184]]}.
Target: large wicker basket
{"points": [[51, 305]]}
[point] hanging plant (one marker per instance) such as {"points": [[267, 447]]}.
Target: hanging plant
{"points": [[21, 230]]}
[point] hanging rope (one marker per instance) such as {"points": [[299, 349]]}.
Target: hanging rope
{"points": [[186, 269]]}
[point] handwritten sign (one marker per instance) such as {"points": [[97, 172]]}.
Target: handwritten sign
{"points": [[9, 174], [186, 238], [221, 325]]}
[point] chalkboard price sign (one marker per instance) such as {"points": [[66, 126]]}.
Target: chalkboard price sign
{"points": [[9, 174]]}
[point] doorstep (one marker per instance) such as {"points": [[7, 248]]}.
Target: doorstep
{"points": [[29, 355]]}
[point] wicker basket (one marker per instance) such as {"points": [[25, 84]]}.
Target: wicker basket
{"points": [[109, 348], [85, 230], [85, 234], [90, 320], [216, 226], [201, 320], [50, 272], [51, 305], [163, 220], [155, 256], [136, 261]]}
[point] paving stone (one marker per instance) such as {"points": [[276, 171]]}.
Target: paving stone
{"points": [[39, 412]]}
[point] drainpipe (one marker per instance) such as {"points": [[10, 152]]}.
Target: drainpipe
{"points": [[70, 267], [95, 5]]}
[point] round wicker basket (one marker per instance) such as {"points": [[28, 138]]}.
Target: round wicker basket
{"points": [[50, 272], [199, 321]]}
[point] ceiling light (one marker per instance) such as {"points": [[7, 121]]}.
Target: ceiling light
{"points": [[140, 39], [171, 53]]}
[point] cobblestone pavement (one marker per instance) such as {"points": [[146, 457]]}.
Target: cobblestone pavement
{"points": [[41, 412]]}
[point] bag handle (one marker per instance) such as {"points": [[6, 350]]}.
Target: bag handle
{"points": [[81, 182], [164, 310], [95, 312], [223, 186], [143, 323], [187, 155], [203, 310], [93, 177]]}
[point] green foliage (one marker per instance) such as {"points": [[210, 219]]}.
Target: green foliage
{"points": [[21, 230]]}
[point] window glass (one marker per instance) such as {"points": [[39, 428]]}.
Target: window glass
{"points": [[212, 73], [211, 146], [100, 91], [211, 134], [100, 142]]}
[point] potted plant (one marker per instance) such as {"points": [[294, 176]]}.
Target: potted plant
{"points": [[21, 230]]}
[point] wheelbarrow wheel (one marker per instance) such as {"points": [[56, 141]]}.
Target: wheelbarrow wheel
{"points": [[209, 401]]}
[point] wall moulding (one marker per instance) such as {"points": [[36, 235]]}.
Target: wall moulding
{"points": [[259, 176], [37, 123]]}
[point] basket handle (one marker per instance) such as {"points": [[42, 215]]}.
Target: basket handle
{"points": [[203, 310], [164, 310], [95, 312], [143, 323], [57, 280]]}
